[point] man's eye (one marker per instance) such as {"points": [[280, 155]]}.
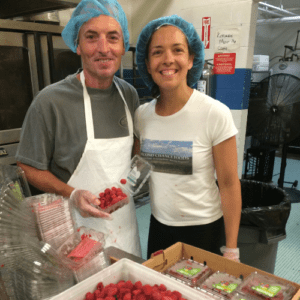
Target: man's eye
{"points": [[179, 50], [114, 38], [90, 37]]}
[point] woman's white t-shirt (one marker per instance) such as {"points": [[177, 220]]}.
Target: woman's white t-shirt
{"points": [[183, 188]]}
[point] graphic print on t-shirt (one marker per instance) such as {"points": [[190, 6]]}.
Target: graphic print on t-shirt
{"points": [[173, 157]]}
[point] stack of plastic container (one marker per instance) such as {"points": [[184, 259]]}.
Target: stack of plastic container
{"points": [[52, 215], [30, 269]]}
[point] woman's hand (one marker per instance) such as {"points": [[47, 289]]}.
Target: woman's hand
{"points": [[231, 253]]}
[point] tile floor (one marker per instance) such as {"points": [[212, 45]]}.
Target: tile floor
{"points": [[288, 256]]}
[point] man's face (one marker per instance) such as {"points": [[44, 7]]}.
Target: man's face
{"points": [[101, 48]]}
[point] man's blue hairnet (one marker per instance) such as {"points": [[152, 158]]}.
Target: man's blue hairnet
{"points": [[194, 42], [88, 9]]}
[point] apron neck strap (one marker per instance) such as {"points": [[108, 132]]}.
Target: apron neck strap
{"points": [[88, 110]]}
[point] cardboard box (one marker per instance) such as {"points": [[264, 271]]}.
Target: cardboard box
{"points": [[171, 255]]}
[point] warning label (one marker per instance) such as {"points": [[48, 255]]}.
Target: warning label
{"points": [[224, 63]]}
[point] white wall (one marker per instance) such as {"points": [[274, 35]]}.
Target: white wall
{"points": [[237, 14]]}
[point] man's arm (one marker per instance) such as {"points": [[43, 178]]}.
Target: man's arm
{"points": [[45, 181]]}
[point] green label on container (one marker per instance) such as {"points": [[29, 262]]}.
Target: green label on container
{"points": [[226, 286], [16, 190], [188, 271], [266, 289]]}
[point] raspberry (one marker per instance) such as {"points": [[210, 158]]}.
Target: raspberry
{"points": [[97, 294], [167, 298], [138, 285], [124, 290], [110, 298], [141, 297], [176, 294], [89, 296], [129, 284], [112, 291], [147, 289], [162, 287], [123, 181], [156, 296], [136, 292], [127, 296]]}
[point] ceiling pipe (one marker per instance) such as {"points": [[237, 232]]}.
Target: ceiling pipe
{"points": [[277, 8], [270, 12], [279, 20]]}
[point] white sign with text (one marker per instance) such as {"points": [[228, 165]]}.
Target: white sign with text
{"points": [[227, 40]]}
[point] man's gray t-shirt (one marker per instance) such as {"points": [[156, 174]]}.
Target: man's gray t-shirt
{"points": [[54, 135]]}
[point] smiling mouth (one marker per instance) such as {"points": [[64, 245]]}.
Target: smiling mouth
{"points": [[168, 72], [103, 60]]}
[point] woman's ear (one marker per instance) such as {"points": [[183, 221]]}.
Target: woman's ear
{"points": [[148, 66], [191, 60]]}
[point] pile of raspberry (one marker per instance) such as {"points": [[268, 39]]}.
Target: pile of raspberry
{"points": [[126, 290], [110, 197]]}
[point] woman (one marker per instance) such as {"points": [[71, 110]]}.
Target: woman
{"points": [[187, 136]]}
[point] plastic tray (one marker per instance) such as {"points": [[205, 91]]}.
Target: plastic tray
{"points": [[95, 265], [74, 240], [126, 269], [189, 271], [119, 204], [221, 283], [265, 287], [139, 172]]}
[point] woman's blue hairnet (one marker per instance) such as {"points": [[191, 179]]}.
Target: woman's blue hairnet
{"points": [[88, 9], [194, 42]]}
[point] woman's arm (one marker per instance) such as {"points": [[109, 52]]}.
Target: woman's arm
{"points": [[225, 159], [136, 147]]}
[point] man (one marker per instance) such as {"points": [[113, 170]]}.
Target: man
{"points": [[77, 136]]}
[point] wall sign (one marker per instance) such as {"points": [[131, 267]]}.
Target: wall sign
{"points": [[224, 63], [227, 40], [206, 23]]}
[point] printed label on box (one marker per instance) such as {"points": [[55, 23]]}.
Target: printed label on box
{"points": [[225, 286], [188, 271], [267, 290]]}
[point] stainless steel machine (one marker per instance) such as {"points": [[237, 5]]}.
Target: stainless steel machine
{"points": [[32, 56]]}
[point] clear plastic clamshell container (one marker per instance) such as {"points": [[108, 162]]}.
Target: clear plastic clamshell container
{"points": [[53, 217], [221, 284], [265, 287], [118, 194], [189, 271], [238, 296], [81, 247]]}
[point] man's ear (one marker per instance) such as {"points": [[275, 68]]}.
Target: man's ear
{"points": [[78, 50]]}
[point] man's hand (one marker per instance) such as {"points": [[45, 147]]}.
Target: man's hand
{"points": [[83, 199], [231, 253]]}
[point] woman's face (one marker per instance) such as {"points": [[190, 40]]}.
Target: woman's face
{"points": [[168, 58]]}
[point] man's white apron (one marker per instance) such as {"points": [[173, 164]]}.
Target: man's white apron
{"points": [[103, 162]]}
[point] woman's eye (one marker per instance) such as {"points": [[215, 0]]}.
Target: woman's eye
{"points": [[157, 52], [179, 50]]}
